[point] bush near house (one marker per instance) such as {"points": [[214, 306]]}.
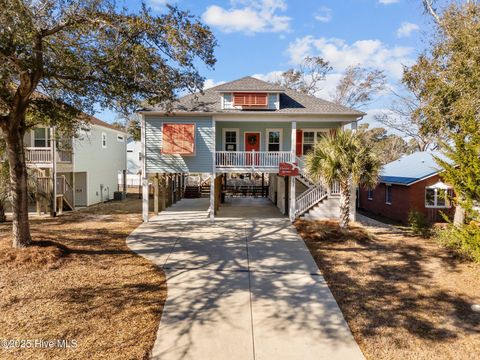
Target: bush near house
{"points": [[419, 223], [465, 239]]}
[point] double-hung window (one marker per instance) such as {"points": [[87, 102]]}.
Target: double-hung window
{"points": [[230, 137], [370, 194], [388, 194], [104, 140], [310, 138], [41, 137], [274, 139]]}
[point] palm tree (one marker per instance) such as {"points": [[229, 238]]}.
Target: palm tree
{"points": [[342, 157]]}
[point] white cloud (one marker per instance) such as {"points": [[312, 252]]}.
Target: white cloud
{"points": [[209, 83], [406, 29], [248, 16], [388, 2], [340, 54], [324, 14]]}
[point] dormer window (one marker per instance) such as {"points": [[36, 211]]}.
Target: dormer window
{"points": [[250, 99]]}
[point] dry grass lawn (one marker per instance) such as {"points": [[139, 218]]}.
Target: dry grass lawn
{"points": [[403, 297], [80, 282]]}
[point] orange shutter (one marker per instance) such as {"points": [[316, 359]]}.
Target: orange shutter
{"points": [[178, 139], [250, 99]]}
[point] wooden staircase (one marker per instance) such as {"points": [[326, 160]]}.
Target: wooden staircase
{"points": [[315, 194], [205, 188]]}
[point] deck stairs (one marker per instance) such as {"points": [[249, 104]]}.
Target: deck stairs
{"points": [[316, 193]]}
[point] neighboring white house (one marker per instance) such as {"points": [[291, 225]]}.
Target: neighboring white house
{"points": [[134, 161], [85, 167]]}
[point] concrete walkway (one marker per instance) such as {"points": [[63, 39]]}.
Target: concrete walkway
{"points": [[243, 287]]}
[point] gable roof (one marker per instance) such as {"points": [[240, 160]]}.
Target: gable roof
{"points": [[248, 83], [411, 168], [291, 101], [96, 121]]}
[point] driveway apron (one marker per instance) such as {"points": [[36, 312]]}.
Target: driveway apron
{"points": [[242, 287]]}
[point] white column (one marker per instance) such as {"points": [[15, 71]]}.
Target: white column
{"points": [[292, 178], [144, 172], [53, 145], [212, 197], [214, 171]]}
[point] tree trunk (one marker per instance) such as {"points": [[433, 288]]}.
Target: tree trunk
{"points": [[459, 217], [18, 181], [3, 217], [344, 205]]}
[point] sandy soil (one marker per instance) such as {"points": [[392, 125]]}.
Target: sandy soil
{"points": [[80, 282]]}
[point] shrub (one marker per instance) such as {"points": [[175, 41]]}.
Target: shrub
{"points": [[465, 240], [419, 223]]}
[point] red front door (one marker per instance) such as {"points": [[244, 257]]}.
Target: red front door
{"points": [[252, 143]]}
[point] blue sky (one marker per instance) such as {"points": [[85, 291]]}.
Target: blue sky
{"points": [[265, 37]]}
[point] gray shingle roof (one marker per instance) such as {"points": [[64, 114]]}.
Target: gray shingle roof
{"points": [[248, 83], [291, 101]]}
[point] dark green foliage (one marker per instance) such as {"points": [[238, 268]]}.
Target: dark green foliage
{"points": [[446, 80], [465, 239], [419, 223]]}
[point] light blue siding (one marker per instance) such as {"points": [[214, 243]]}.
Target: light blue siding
{"points": [[245, 127], [202, 161]]}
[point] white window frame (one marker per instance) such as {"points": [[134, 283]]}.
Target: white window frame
{"points": [[388, 186], [224, 140], [47, 139], [315, 139], [435, 199], [267, 138], [104, 140], [369, 194]]}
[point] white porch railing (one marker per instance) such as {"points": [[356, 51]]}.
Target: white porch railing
{"points": [[251, 159], [39, 155], [310, 198]]}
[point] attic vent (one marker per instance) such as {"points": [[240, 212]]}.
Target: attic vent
{"points": [[250, 99]]}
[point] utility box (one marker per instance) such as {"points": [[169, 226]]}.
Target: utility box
{"points": [[119, 195]]}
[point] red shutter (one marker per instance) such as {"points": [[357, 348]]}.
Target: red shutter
{"points": [[299, 143], [178, 139], [250, 99]]}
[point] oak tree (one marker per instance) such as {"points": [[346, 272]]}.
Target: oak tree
{"points": [[60, 58]]}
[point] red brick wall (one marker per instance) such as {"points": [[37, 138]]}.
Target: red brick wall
{"points": [[404, 199]]}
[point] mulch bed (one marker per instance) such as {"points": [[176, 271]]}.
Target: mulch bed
{"points": [[404, 297], [79, 281]]}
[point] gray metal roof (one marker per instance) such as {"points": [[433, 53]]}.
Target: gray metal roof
{"points": [[291, 101], [411, 168]]}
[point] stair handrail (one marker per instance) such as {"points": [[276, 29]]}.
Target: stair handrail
{"points": [[310, 198]]}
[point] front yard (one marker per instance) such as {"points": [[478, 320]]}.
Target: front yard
{"points": [[80, 283], [403, 297]]}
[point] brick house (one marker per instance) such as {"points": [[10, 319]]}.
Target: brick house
{"points": [[410, 183]]}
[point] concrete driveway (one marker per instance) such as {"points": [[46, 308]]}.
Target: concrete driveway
{"points": [[243, 287]]}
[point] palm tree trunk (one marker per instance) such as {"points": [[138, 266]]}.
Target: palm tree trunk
{"points": [[344, 204], [19, 193]]}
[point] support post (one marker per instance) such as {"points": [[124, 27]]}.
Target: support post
{"points": [[163, 189], [212, 197], [155, 194], [144, 173], [53, 145], [214, 170], [124, 181], [292, 195]]}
